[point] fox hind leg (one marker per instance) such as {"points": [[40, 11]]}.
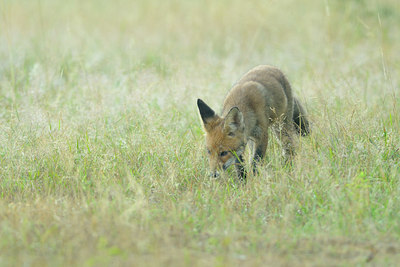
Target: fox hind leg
{"points": [[285, 133], [259, 150], [301, 123]]}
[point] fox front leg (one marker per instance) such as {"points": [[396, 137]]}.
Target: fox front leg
{"points": [[240, 170]]}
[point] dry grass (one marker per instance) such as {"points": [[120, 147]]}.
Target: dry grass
{"points": [[101, 148]]}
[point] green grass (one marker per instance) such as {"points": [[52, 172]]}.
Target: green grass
{"points": [[102, 158]]}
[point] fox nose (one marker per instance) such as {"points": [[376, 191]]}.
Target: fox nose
{"points": [[214, 174]]}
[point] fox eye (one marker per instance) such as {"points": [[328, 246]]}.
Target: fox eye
{"points": [[231, 134], [208, 151], [223, 153]]}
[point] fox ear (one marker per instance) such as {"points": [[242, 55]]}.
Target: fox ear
{"points": [[206, 113], [233, 121]]}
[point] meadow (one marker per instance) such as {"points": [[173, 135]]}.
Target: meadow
{"points": [[102, 157]]}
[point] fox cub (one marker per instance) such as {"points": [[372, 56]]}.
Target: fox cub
{"points": [[261, 98]]}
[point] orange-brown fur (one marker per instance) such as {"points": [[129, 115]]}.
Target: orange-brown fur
{"points": [[260, 99]]}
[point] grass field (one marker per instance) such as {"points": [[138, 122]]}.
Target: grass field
{"points": [[102, 158]]}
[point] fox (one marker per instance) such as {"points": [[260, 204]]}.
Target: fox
{"points": [[260, 100]]}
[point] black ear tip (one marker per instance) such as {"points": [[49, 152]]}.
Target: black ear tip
{"points": [[201, 104], [205, 111]]}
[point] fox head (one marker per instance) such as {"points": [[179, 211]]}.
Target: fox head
{"points": [[225, 140]]}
